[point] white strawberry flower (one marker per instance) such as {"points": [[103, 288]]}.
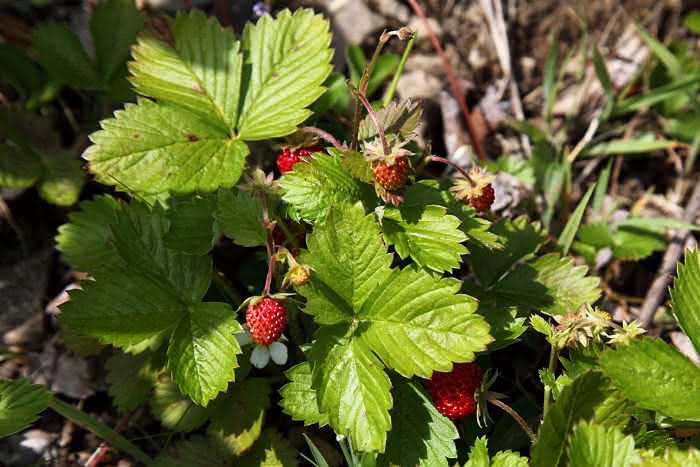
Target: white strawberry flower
{"points": [[262, 353]]}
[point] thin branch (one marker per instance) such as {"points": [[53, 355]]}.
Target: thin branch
{"points": [[526, 428], [454, 166], [375, 120], [456, 90], [323, 134]]}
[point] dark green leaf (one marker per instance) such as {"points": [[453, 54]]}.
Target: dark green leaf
{"points": [[193, 228], [270, 450], [567, 235], [240, 216], [130, 379], [20, 404], [114, 25]]}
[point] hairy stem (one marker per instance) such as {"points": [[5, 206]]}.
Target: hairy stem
{"points": [[323, 134], [454, 166], [375, 120], [526, 428], [554, 354]]}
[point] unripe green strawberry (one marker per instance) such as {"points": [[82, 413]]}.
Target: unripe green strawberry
{"points": [[266, 320]]}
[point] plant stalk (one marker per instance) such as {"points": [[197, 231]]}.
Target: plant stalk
{"points": [[553, 356], [454, 166], [389, 94], [526, 428], [323, 134], [375, 120]]}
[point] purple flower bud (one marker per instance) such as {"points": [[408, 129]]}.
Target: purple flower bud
{"points": [[259, 9]]}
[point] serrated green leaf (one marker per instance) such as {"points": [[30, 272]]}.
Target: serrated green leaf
{"points": [[427, 192], [427, 234], [193, 228], [313, 188], [540, 325], [420, 435], [130, 379], [60, 52], [506, 324], [195, 451], [153, 147], [352, 387], [18, 169], [20, 404], [114, 25], [63, 178], [288, 59], [685, 296], [355, 163], [202, 351], [240, 215], [478, 454], [175, 410], [19, 70], [238, 416], [509, 459], [569, 232], [673, 458], [593, 445], [550, 284], [299, 398], [676, 379], [198, 68], [120, 307], [521, 239], [413, 320], [398, 118], [271, 450], [139, 240], [576, 402]]}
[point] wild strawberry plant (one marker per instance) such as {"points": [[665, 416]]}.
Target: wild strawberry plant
{"points": [[376, 297]]}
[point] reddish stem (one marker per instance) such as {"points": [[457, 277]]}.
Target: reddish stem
{"points": [[323, 134], [456, 90], [375, 119], [455, 166], [104, 447]]}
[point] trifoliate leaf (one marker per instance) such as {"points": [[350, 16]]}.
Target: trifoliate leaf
{"points": [[426, 234], [197, 65], [175, 410], [86, 242], [130, 379], [685, 296], [139, 240], [289, 59], [193, 228], [352, 387], [20, 404], [202, 351], [114, 25], [550, 284], [299, 398], [238, 416], [420, 435], [60, 52], [413, 320], [676, 379], [63, 178], [397, 118], [196, 451], [240, 216], [270, 450], [577, 401], [521, 238], [594, 445], [673, 458], [121, 307], [427, 192], [155, 147], [313, 188]]}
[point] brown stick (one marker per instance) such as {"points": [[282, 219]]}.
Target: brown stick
{"points": [[456, 90], [657, 291]]}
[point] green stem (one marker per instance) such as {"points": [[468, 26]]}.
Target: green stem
{"points": [[553, 356], [99, 429], [389, 94]]}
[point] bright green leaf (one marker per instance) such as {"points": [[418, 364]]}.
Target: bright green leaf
{"points": [[596, 446], [509, 459], [692, 21], [634, 243], [238, 416], [175, 410], [567, 235], [202, 351], [634, 145], [685, 296], [673, 458], [656, 95], [240, 215], [676, 379], [20, 404], [114, 25], [479, 454], [577, 401], [152, 148], [420, 435], [289, 59], [197, 66], [299, 398], [426, 234]]}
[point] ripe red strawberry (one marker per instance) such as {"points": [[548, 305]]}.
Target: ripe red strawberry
{"points": [[266, 320], [483, 202], [391, 177], [287, 157], [453, 392]]}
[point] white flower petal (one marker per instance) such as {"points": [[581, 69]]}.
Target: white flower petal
{"points": [[243, 338], [278, 352], [260, 356]]}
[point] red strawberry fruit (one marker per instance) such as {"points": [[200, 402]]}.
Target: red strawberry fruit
{"points": [[483, 202], [391, 177], [287, 157], [453, 391], [476, 190], [266, 320]]}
